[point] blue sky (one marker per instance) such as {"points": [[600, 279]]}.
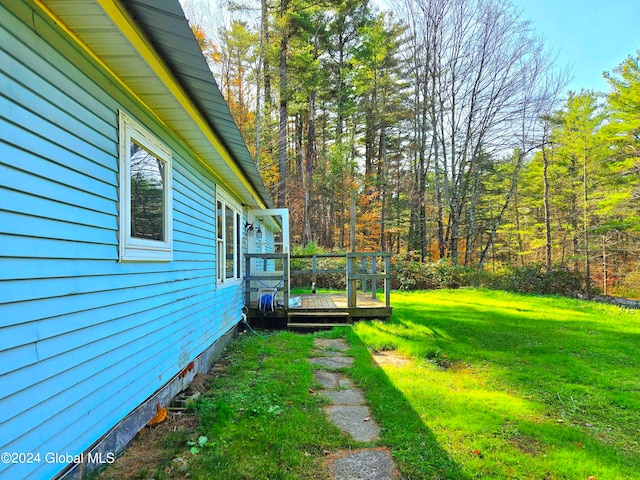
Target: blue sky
{"points": [[590, 36]]}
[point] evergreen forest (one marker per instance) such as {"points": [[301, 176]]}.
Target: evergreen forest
{"points": [[440, 130]]}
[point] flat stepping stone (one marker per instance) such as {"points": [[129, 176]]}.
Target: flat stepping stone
{"points": [[327, 379], [331, 344], [331, 380], [354, 420], [351, 396], [345, 382], [336, 361], [367, 464]]}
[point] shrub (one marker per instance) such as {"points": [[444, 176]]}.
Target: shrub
{"points": [[628, 287], [408, 273], [335, 281], [450, 275], [562, 281], [557, 280]]}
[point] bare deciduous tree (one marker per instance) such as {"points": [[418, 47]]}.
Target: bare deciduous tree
{"points": [[487, 80]]}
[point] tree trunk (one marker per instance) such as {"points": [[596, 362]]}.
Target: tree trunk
{"points": [[310, 156], [282, 132], [585, 199], [476, 171], [262, 64], [547, 211]]}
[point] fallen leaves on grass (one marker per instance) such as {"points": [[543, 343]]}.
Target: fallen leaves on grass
{"points": [[477, 453]]}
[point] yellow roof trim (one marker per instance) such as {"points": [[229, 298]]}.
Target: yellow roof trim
{"points": [[128, 28], [95, 57], [120, 18]]}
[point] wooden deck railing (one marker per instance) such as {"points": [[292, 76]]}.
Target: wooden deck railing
{"points": [[269, 275], [368, 272], [370, 268]]}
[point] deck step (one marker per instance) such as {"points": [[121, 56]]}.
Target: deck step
{"points": [[316, 320], [316, 325], [319, 313]]}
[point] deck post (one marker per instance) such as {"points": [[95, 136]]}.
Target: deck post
{"points": [[285, 268], [247, 273], [352, 288], [374, 282], [387, 280], [314, 273]]}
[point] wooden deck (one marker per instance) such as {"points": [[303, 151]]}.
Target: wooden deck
{"points": [[364, 272], [337, 301], [321, 311]]}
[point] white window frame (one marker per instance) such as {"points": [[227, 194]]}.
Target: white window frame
{"points": [[221, 240], [135, 249]]}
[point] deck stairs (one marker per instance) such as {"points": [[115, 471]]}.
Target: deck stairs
{"points": [[317, 320]]}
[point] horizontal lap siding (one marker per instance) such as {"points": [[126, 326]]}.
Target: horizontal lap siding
{"points": [[85, 339]]}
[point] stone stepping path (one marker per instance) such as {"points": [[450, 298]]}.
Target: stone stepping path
{"points": [[332, 362], [365, 464], [350, 413], [355, 420]]}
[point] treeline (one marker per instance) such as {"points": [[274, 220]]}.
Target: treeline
{"points": [[441, 124]]}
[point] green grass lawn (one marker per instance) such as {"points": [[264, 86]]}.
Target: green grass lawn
{"points": [[497, 386], [260, 416], [506, 386]]}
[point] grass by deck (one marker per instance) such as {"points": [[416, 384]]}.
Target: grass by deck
{"points": [[509, 386], [491, 385]]}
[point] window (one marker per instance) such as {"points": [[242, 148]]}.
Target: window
{"points": [[145, 210], [229, 238]]}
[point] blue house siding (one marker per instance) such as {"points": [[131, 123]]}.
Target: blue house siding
{"points": [[85, 339]]}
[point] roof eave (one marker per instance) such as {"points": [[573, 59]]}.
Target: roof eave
{"points": [[165, 71]]}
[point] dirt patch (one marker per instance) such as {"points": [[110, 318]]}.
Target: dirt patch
{"points": [[147, 452], [200, 383], [527, 445], [390, 358], [163, 447], [453, 365]]}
